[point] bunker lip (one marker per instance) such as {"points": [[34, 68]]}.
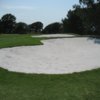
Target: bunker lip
{"points": [[56, 56]]}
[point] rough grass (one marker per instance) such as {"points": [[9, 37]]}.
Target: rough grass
{"points": [[10, 40], [78, 86], [17, 86]]}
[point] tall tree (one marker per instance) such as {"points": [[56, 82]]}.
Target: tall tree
{"points": [[73, 23], [91, 15], [8, 22]]}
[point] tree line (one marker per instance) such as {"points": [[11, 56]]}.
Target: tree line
{"points": [[84, 19], [8, 25]]}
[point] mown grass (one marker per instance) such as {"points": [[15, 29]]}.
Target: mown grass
{"points": [[78, 86], [17, 86], [12, 40]]}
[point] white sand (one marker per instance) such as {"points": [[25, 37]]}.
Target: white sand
{"points": [[54, 35], [56, 56]]}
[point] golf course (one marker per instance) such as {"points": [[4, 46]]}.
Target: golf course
{"points": [[22, 86], [49, 49]]}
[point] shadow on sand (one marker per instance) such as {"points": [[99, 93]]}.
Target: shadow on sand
{"points": [[95, 40]]}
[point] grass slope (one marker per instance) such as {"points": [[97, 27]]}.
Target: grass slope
{"points": [[10, 40], [78, 86]]}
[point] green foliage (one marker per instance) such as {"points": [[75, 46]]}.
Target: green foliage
{"points": [[21, 28], [36, 27], [0, 27], [91, 19], [83, 20], [8, 23], [8, 18], [73, 23], [88, 3], [53, 28]]}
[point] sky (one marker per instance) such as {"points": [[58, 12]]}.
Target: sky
{"points": [[30, 11]]}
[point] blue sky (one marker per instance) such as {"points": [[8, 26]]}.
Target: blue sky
{"points": [[29, 11]]}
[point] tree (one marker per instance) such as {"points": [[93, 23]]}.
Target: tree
{"points": [[88, 3], [21, 28], [0, 27], [96, 19], [8, 22], [65, 25], [73, 23], [91, 15], [75, 7], [36, 27], [53, 28], [83, 20]]}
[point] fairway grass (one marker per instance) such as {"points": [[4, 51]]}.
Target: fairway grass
{"points": [[78, 86], [18, 86], [13, 40]]}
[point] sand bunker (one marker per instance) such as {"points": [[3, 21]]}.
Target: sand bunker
{"points": [[56, 56], [54, 35]]}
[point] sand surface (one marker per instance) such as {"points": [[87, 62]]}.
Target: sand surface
{"points": [[56, 56], [54, 35]]}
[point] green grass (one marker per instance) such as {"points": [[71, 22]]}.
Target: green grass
{"points": [[78, 86], [10, 40], [17, 86]]}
